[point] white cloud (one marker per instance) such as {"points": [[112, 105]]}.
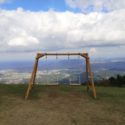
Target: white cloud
{"points": [[22, 30], [96, 5], [23, 41]]}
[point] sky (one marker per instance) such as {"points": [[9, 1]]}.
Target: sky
{"points": [[30, 26]]}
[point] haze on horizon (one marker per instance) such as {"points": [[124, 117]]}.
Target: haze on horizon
{"points": [[27, 27]]}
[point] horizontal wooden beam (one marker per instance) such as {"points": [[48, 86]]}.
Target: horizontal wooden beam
{"points": [[85, 55]]}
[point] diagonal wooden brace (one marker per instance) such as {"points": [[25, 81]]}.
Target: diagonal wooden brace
{"points": [[32, 79], [91, 81]]}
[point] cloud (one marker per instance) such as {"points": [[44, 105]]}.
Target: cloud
{"points": [[96, 5], [22, 30], [23, 41]]}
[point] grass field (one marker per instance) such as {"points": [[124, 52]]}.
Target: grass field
{"points": [[61, 105]]}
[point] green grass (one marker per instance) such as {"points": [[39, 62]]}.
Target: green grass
{"points": [[61, 105]]}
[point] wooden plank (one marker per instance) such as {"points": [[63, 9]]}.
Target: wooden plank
{"points": [[32, 79], [87, 73], [91, 79], [62, 54]]}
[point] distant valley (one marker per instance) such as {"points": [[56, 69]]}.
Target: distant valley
{"points": [[59, 71]]}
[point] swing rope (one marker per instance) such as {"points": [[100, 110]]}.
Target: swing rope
{"points": [[57, 79], [46, 70], [79, 80], [69, 68]]}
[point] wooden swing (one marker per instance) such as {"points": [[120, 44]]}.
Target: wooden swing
{"points": [[89, 75]]}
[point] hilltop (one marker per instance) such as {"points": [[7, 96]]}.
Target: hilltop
{"points": [[59, 105]]}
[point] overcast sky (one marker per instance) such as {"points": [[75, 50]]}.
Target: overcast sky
{"points": [[30, 26]]}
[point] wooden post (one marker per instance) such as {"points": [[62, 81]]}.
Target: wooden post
{"points": [[32, 79], [91, 78], [87, 73]]}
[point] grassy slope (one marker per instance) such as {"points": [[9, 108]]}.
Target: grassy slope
{"points": [[61, 105]]}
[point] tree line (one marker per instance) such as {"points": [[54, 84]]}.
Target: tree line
{"points": [[118, 81]]}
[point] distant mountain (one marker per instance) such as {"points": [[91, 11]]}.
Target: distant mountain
{"points": [[73, 64], [109, 66]]}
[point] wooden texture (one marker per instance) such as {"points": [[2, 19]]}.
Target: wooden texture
{"points": [[62, 54], [87, 73], [91, 78], [32, 79]]}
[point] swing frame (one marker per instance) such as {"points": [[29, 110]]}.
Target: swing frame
{"points": [[89, 74]]}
